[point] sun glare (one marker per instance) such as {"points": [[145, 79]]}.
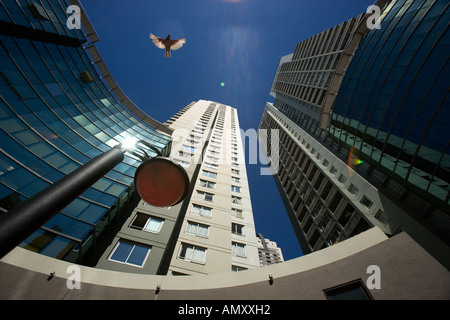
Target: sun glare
{"points": [[129, 143]]}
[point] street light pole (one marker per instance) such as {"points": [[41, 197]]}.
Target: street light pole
{"points": [[159, 181], [20, 222]]}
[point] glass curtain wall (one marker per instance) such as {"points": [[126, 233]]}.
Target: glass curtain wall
{"points": [[56, 114]]}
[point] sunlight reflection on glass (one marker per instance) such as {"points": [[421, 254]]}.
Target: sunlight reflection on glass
{"points": [[129, 143]]}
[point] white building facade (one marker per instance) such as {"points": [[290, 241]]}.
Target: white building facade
{"points": [[269, 252], [218, 231]]}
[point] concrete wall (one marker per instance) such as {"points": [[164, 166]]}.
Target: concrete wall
{"points": [[156, 241], [407, 272]]}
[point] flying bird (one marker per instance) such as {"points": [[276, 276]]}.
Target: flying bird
{"points": [[167, 43]]}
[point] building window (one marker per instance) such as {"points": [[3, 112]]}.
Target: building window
{"points": [[236, 200], [192, 253], [197, 229], [201, 210], [355, 290], [324, 222], [236, 189], [211, 165], [184, 154], [183, 163], [130, 254], [236, 179], [188, 148], [237, 268], [333, 170], [163, 208], [237, 229], [147, 223], [353, 189], [236, 213], [366, 202], [205, 196], [209, 174], [238, 249], [334, 236], [207, 184], [342, 178], [235, 171], [192, 142], [213, 159], [38, 11], [381, 216], [310, 198]]}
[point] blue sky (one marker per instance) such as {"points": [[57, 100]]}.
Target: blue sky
{"points": [[235, 42]]}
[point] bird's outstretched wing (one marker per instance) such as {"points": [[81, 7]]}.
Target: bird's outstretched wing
{"points": [[177, 44], [157, 41]]}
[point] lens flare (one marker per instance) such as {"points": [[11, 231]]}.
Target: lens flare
{"points": [[352, 161]]}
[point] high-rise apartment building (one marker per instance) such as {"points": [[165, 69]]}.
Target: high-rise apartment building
{"points": [[213, 229], [58, 110], [300, 87], [373, 150], [269, 252], [218, 231]]}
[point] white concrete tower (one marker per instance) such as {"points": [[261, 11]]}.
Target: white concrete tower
{"points": [[218, 231]]}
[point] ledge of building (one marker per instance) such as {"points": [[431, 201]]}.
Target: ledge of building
{"points": [[25, 275]]}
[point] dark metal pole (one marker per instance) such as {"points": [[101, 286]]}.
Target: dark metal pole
{"points": [[19, 223]]}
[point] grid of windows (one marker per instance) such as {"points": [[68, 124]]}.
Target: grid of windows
{"points": [[324, 215], [394, 106], [304, 77], [221, 167]]}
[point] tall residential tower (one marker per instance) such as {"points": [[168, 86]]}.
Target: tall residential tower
{"points": [[213, 229], [218, 231]]}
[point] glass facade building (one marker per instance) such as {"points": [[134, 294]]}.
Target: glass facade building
{"points": [[375, 150], [393, 107], [57, 112]]}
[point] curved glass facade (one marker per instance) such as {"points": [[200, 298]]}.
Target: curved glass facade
{"points": [[393, 106], [56, 113]]}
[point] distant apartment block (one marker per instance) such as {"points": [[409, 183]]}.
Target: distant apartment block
{"points": [[268, 251]]}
